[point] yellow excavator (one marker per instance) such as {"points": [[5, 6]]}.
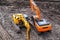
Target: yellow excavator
{"points": [[21, 20]]}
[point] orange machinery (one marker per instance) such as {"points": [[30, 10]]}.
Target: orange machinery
{"points": [[41, 25]]}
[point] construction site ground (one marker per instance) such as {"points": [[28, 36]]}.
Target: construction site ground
{"points": [[49, 12]]}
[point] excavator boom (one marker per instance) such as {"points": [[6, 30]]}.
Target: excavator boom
{"points": [[35, 8]]}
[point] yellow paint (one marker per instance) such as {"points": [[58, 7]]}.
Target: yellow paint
{"points": [[17, 18]]}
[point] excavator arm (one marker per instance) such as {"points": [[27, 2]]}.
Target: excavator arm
{"points": [[27, 28], [35, 8]]}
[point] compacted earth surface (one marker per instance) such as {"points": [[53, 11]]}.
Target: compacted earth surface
{"points": [[49, 11]]}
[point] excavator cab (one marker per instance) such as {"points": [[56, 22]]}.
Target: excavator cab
{"points": [[42, 22], [42, 25]]}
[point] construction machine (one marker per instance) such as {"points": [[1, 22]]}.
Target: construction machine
{"points": [[21, 20], [40, 24]]}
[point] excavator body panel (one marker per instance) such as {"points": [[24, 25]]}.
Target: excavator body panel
{"points": [[42, 26], [18, 17]]}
